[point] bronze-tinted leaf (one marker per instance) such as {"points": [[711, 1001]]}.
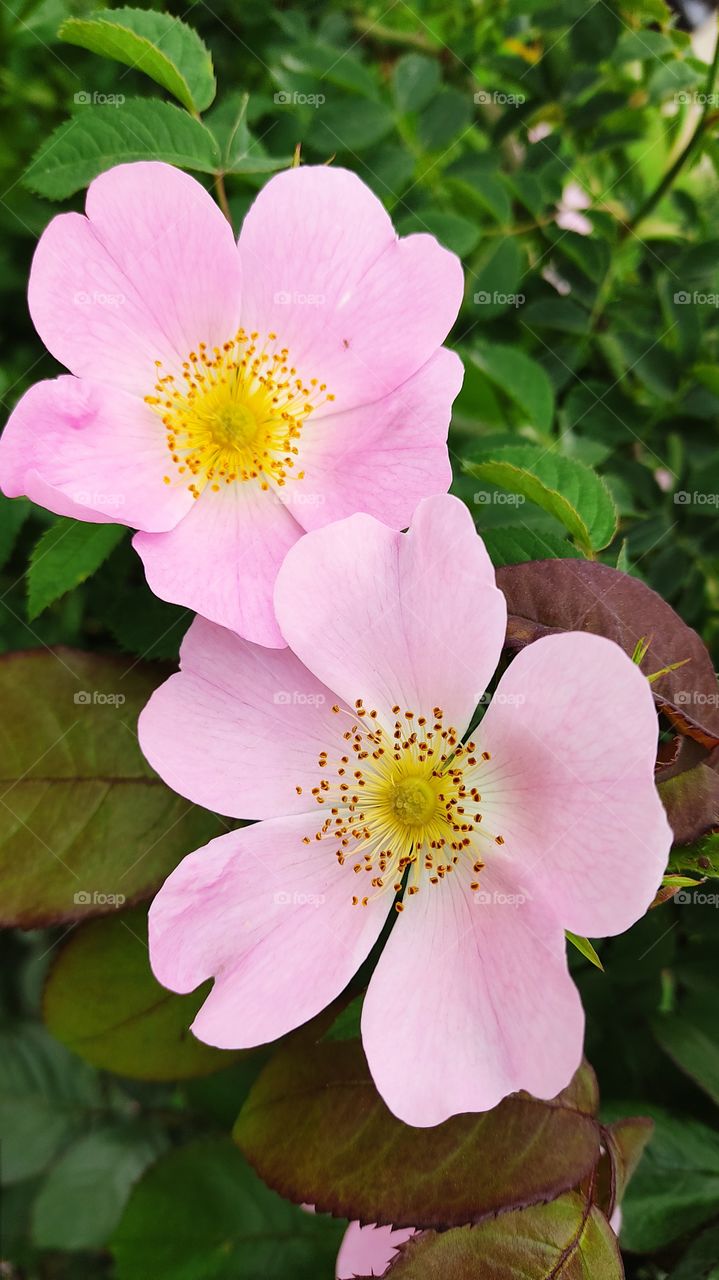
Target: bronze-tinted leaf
{"points": [[316, 1130]]}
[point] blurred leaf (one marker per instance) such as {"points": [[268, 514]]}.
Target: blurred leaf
{"points": [[84, 822], [82, 1200], [563, 487], [676, 1187], [520, 378], [102, 1001], [46, 1097], [535, 1244], [13, 514], [316, 1129], [626, 1141], [415, 79], [158, 44], [691, 1036], [98, 137], [202, 1214], [455, 233], [700, 1262], [68, 553]]}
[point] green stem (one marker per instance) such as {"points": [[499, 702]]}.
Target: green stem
{"points": [[219, 182], [653, 200]]}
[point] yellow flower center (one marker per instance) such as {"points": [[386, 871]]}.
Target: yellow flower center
{"points": [[236, 413], [402, 804], [413, 800]]}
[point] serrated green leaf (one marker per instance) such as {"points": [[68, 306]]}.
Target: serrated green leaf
{"points": [[98, 137], [68, 553], [158, 44], [507, 545], [568, 490]]}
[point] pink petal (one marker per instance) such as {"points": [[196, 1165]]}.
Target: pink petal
{"points": [[84, 449], [471, 1000], [240, 727], [271, 919], [368, 1251], [222, 559], [382, 458], [413, 618], [149, 273], [322, 267], [572, 731]]}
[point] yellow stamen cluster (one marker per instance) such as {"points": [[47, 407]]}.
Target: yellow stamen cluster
{"points": [[401, 805], [235, 413]]}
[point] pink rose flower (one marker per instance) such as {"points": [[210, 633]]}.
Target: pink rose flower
{"points": [[228, 396], [352, 747]]}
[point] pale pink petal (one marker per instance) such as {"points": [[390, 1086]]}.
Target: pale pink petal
{"points": [[384, 458], [413, 618], [222, 559], [572, 732], [87, 450], [358, 308], [148, 274], [240, 727], [272, 920], [368, 1251], [470, 1001]]}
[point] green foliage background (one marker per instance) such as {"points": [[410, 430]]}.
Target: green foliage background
{"points": [[595, 350]]}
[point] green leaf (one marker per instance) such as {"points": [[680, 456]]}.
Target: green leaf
{"points": [[13, 514], [98, 137], [316, 1130], [68, 553], [521, 378], [584, 946], [699, 1257], [415, 80], [166, 49], [676, 1187], [626, 1141], [516, 546], [347, 1025], [690, 1036], [541, 1243], [85, 1193], [102, 1001], [239, 151], [85, 824], [565, 488], [201, 1214], [455, 233], [46, 1097]]}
